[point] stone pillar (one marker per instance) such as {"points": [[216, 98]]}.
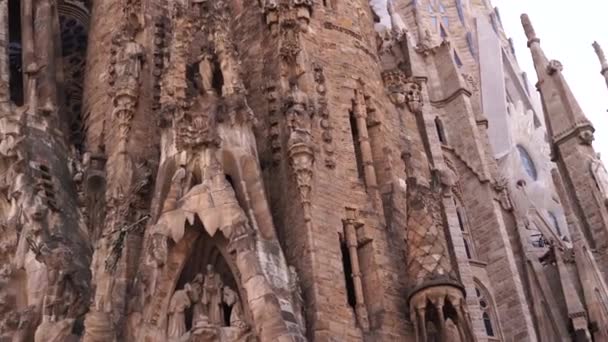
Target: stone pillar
{"points": [[27, 43], [44, 42], [360, 112], [350, 235]]}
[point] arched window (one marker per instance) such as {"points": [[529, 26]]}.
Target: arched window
{"points": [[357, 144], [527, 162], [457, 59], [440, 131], [555, 223], [488, 313], [15, 52], [438, 15], [464, 229]]}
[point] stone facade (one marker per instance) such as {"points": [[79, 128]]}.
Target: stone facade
{"points": [[291, 170]]}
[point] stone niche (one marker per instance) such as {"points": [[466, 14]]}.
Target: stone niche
{"points": [[209, 295]]}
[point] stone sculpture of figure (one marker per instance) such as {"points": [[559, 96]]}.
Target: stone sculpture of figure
{"points": [[196, 290], [231, 299], [129, 60], [177, 314], [298, 116], [206, 69], [212, 296], [598, 170], [414, 97], [198, 126]]}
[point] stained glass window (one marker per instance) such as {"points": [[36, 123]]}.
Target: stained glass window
{"points": [[527, 162], [555, 223]]}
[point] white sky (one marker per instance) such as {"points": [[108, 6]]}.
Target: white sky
{"points": [[567, 29]]}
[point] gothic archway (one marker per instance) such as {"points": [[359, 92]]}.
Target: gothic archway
{"points": [[207, 251]]}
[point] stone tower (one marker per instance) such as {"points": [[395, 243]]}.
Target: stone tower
{"points": [[290, 170]]}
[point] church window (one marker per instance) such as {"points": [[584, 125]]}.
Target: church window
{"points": [[527, 162], [438, 16], [471, 44], [440, 131], [15, 52], [555, 223], [460, 10], [488, 314], [457, 59], [464, 229], [356, 143]]}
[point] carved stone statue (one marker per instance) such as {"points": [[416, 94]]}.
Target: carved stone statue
{"points": [[206, 70], [195, 292], [129, 60], [198, 126], [231, 299], [298, 113], [177, 314], [212, 296]]}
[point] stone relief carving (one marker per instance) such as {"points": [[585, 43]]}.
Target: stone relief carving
{"points": [[126, 65], [210, 323], [323, 110], [413, 97]]}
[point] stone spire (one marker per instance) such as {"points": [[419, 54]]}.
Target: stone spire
{"points": [[562, 112], [602, 58]]}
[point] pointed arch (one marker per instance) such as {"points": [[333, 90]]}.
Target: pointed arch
{"points": [[491, 321]]}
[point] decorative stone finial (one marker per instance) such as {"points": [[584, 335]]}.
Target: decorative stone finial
{"points": [[600, 54], [529, 29]]}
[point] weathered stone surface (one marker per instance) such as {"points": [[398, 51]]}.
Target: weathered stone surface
{"points": [[291, 170]]}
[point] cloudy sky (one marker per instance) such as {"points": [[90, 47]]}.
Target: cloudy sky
{"points": [[567, 29]]}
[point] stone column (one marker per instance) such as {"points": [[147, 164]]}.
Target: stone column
{"points": [[360, 112], [350, 235], [27, 44], [44, 42]]}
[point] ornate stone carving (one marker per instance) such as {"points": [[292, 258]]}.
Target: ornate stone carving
{"points": [[126, 65], [394, 81], [298, 112], [272, 96], [413, 97], [176, 329], [275, 11], [323, 110], [212, 296], [554, 66], [231, 299], [586, 137]]}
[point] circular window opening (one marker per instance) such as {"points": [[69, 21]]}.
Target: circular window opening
{"points": [[527, 162]]}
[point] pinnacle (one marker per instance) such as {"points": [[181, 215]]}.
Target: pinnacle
{"points": [[529, 29]]}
